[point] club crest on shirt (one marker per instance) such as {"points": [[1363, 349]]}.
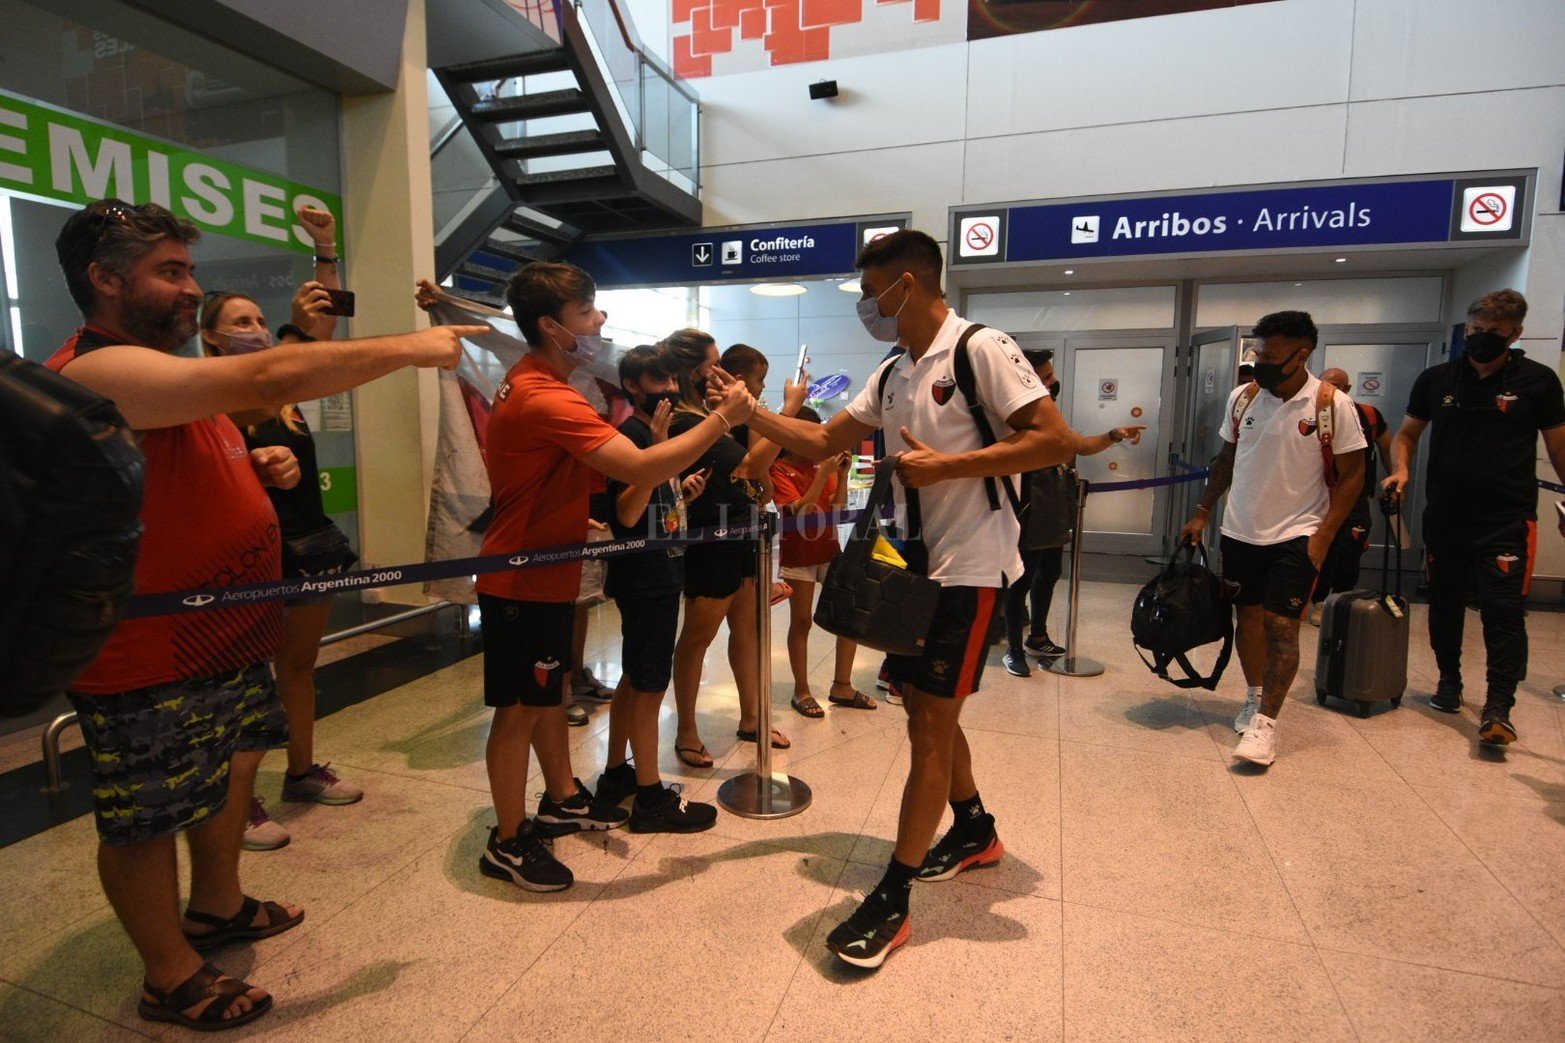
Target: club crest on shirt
{"points": [[1307, 427], [504, 391], [942, 390], [543, 669], [1504, 401]]}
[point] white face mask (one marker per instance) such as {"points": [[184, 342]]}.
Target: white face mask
{"points": [[882, 327], [585, 347]]}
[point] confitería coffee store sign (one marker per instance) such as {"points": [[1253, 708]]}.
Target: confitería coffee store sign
{"points": [[55, 154]]}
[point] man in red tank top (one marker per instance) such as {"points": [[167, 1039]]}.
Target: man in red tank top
{"points": [[177, 710]]}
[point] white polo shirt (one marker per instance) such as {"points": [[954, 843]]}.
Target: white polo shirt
{"points": [[969, 544], [1279, 489]]}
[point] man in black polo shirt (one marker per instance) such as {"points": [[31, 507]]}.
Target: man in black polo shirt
{"points": [[1480, 526]]}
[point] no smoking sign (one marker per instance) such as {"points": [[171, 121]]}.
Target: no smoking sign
{"points": [[1488, 208], [979, 236]]}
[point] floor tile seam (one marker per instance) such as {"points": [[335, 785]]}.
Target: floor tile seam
{"points": [[1472, 719], [410, 777], [1137, 749], [136, 1029], [1224, 928], [1334, 950], [1332, 980], [1059, 810], [804, 956], [1493, 875], [536, 960], [1006, 731], [1434, 783]]}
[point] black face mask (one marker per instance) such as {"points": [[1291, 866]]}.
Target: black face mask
{"points": [[698, 384], [1271, 375], [1484, 346], [649, 403], [1054, 390]]}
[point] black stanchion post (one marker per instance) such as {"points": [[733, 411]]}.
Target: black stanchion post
{"points": [[1070, 664], [764, 793]]}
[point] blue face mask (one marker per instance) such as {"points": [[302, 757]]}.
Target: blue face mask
{"points": [[882, 327]]}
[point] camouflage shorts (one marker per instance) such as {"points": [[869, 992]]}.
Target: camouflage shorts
{"points": [[160, 755]]}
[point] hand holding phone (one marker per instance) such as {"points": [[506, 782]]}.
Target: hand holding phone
{"points": [[804, 360], [342, 302]]}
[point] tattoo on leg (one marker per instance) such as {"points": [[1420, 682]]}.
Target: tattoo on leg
{"points": [[1282, 661]]}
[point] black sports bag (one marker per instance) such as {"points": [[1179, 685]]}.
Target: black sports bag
{"points": [[1183, 608]]}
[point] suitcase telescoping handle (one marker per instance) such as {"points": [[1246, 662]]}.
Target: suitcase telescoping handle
{"points": [[1391, 507]]}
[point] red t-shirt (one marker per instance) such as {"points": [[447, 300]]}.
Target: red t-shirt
{"points": [[539, 430], [815, 542], [208, 523]]}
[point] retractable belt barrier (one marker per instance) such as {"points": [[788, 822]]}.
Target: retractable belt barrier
{"points": [[175, 602]]}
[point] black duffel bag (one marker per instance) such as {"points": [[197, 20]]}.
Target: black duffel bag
{"points": [[71, 485], [1049, 519], [1183, 608], [875, 603]]}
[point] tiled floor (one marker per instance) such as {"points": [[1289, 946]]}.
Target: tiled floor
{"points": [[1385, 880]]}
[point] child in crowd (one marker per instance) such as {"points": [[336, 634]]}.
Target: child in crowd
{"points": [[647, 587], [806, 493]]}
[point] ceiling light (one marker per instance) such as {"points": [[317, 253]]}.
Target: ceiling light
{"points": [[1342, 260], [1070, 271], [1298, 284], [1067, 293], [850, 286], [778, 289]]}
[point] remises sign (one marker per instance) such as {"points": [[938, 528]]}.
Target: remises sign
{"points": [[54, 154], [1469, 208], [744, 254]]}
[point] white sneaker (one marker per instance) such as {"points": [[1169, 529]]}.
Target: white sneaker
{"points": [[261, 833], [589, 687], [1258, 745], [1316, 612], [1252, 703]]}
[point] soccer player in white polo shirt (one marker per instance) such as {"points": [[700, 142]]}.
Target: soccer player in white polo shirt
{"points": [[966, 542], [1289, 489]]}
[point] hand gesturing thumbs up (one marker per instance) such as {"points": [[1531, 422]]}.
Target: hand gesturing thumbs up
{"points": [[920, 465]]}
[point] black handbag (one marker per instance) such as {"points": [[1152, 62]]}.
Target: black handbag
{"points": [[1049, 519], [875, 603], [1182, 608], [320, 553]]}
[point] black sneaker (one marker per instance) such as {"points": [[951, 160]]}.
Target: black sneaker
{"points": [[1016, 664], [867, 937], [1495, 727], [958, 851], [556, 818], [616, 784], [524, 861], [670, 812], [1447, 697], [1042, 648]]}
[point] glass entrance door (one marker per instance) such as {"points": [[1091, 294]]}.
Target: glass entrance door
{"points": [[1214, 365]]}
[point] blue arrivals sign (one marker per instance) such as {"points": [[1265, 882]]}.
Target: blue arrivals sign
{"points": [[1465, 209], [744, 254]]}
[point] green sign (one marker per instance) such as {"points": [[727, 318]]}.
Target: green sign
{"points": [[48, 152], [340, 489]]}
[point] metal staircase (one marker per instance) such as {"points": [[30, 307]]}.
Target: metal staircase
{"points": [[580, 131]]}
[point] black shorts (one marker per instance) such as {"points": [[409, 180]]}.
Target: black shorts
{"points": [[160, 756], [715, 570], [952, 663], [648, 627], [1279, 577], [527, 650]]}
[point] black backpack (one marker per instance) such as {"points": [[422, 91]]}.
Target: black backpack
{"points": [[1183, 608], [71, 483]]}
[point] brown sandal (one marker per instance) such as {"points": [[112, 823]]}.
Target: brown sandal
{"points": [[807, 706], [694, 756], [207, 983], [858, 701], [240, 926]]}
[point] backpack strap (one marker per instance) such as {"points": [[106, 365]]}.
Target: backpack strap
{"points": [[1242, 405], [967, 384], [1324, 430]]}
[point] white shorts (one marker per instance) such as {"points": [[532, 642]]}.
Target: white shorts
{"points": [[804, 573]]}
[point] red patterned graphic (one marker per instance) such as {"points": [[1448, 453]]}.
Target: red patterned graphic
{"points": [[791, 31]]}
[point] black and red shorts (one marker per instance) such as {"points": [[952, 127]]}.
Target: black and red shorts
{"points": [[1277, 576], [952, 663]]}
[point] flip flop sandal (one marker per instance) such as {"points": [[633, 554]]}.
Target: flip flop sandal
{"points": [[745, 736], [694, 757], [859, 701], [808, 707], [240, 926], [207, 983]]}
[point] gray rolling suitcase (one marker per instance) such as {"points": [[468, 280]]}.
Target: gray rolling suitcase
{"points": [[1362, 656]]}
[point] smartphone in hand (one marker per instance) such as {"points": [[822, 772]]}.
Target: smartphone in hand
{"points": [[342, 302]]}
